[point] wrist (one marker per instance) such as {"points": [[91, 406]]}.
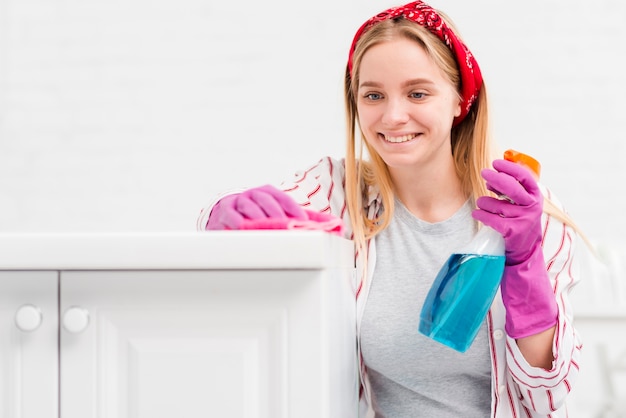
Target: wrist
{"points": [[528, 297], [519, 259]]}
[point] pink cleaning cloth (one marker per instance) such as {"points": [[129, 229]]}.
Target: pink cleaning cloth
{"points": [[316, 221]]}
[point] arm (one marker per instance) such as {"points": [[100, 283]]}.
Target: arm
{"points": [[319, 188], [537, 348], [542, 345], [545, 389]]}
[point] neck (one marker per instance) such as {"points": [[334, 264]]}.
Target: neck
{"points": [[433, 194]]}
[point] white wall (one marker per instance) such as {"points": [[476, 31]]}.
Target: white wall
{"points": [[129, 115]]}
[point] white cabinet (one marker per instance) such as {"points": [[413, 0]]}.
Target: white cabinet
{"points": [[203, 325], [28, 344]]}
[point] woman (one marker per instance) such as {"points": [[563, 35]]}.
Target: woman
{"points": [[416, 99]]}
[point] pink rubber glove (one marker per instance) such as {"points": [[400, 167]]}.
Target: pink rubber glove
{"points": [[315, 221], [526, 289], [254, 204]]}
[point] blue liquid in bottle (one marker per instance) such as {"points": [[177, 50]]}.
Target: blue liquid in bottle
{"points": [[467, 283], [460, 297]]}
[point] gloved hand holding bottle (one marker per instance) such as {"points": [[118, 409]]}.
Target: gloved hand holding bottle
{"points": [[526, 289]]}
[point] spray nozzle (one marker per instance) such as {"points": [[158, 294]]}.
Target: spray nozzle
{"points": [[525, 160]]}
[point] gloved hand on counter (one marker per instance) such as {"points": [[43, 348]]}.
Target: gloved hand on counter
{"points": [[265, 202], [526, 289]]}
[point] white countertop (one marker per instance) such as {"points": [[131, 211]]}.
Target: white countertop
{"points": [[193, 250]]}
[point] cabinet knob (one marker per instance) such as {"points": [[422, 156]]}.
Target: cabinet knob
{"points": [[28, 318], [75, 319]]}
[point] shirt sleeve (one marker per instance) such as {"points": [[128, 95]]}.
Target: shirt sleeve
{"points": [[321, 188], [545, 391]]}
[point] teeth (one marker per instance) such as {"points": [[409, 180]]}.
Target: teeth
{"points": [[397, 139]]}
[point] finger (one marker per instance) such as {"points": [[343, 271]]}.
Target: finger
{"points": [[231, 220], [293, 209], [502, 208], [224, 214], [289, 206], [490, 219], [521, 173], [267, 203], [248, 208], [503, 183]]}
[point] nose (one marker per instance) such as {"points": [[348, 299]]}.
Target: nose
{"points": [[396, 112]]}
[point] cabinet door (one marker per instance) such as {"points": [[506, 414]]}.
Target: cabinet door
{"points": [[249, 344], [28, 344]]}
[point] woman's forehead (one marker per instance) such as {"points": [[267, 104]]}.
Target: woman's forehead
{"points": [[398, 59]]}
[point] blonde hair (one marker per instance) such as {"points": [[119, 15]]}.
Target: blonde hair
{"points": [[472, 146]]}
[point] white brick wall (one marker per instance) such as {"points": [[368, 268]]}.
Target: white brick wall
{"points": [[128, 115]]}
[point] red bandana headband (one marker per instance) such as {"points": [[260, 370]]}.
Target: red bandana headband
{"points": [[424, 15]]}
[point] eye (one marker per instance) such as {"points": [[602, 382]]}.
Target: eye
{"points": [[373, 96], [417, 95]]}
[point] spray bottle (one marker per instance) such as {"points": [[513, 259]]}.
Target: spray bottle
{"points": [[467, 283]]}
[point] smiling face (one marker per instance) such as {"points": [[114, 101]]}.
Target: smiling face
{"points": [[405, 105]]}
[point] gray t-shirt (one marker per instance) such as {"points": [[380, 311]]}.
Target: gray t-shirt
{"points": [[410, 374]]}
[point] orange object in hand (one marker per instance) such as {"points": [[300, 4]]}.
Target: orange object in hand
{"points": [[524, 159]]}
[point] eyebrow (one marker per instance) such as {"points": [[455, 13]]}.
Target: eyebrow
{"points": [[407, 83]]}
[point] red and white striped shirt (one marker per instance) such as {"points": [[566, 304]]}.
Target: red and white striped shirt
{"points": [[518, 389]]}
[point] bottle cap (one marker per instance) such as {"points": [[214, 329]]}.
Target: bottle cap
{"points": [[526, 160]]}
